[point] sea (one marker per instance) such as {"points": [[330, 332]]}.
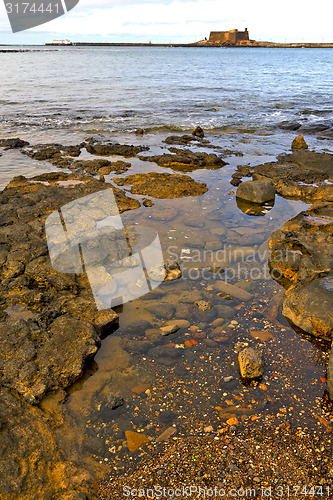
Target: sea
{"points": [[251, 103]]}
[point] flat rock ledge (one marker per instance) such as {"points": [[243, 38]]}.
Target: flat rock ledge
{"points": [[50, 331], [162, 185]]}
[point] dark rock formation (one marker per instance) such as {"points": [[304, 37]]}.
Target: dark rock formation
{"points": [[187, 161], [198, 132], [303, 174], [100, 167], [115, 149], [50, 330], [13, 143], [162, 185]]}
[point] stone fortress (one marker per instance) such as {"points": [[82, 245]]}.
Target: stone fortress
{"points": [[231, 37]]}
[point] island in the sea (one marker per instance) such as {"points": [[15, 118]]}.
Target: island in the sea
{"points": [[231, 38]]}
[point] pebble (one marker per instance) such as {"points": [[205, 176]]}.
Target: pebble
{"points": [[181, 323], [228, 379], [209, 428], [203, 305], [218, 322], [170, 431], [169, 329], [135, 440]]}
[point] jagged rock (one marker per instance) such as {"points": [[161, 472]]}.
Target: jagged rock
{"points": [[186, 160], [50, 330], [299, 143], [115, 149], [13, 143], [251, 363], [302, 174], [289, 125], [297, 254], [182, 140], [256, 191], [101, 167], [112, 403], [198, 132], [203, 305], [162, 185]]}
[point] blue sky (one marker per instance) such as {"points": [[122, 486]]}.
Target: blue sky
{"points": [[180, 21]]}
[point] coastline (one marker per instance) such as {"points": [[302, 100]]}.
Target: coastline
{"points": [[198, 45], [215, 331]]}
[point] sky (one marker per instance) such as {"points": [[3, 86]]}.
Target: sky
{"points": [[180, 21]]}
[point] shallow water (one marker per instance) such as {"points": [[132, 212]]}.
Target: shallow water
{"points": [[239, 97]]}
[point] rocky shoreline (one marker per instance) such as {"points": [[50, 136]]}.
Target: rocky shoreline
{"points": [[51, 329]]}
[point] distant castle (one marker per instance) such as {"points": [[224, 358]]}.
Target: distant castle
{"points": [[229, 37]]}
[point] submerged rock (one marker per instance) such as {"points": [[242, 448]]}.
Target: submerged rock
{"points": [[310, 307], [251, 363], [135, 440], [256, 191], [185, 160], [112, 403]]}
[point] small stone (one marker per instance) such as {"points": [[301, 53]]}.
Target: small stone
{"points": [[251, 363], [188, 344], [203, 305], [147, 203], [135, 440], [113, 402], [169, 329], [208, 429], [232, 421], [198, 132], [139, 131], [299, 143], [181, 323], [218, 322], [170, 431], [228, 379]]}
